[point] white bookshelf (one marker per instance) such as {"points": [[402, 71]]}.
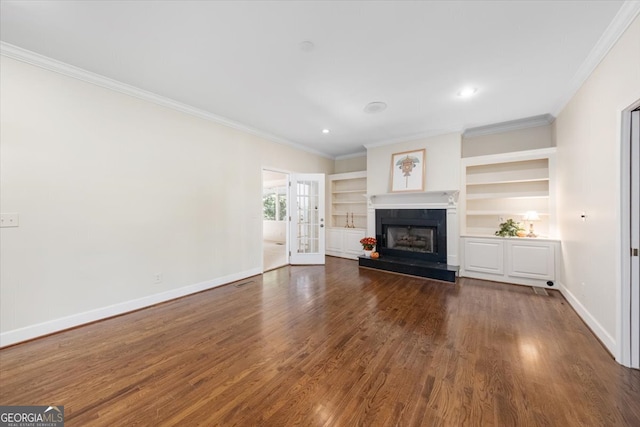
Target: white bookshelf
{"points": [[348, 214], [348, 197], [502, 186]]}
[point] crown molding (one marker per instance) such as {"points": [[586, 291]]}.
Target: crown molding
{"points": [[24, 55], [625, 16], [527, 122]]}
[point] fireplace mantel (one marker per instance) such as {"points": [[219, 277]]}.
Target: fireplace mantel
{"points": [[431, 199]]}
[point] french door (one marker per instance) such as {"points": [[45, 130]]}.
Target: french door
{"points": [[307, 224]]}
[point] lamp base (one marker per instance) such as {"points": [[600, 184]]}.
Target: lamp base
{"points": [[531, 233]]}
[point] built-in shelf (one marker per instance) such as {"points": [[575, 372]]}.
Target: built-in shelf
{"points": [[503, 186], [349, 203], [348, 214], [529, 195], [494, 213], [347, 191]]}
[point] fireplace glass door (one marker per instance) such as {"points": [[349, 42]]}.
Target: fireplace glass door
{"points": [[412, 239]]}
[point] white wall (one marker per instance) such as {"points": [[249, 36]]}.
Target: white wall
{"points": [[112, 190], [442, 167], [507, 142], [588, 175]]}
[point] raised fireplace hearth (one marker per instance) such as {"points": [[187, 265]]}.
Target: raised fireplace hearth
{"points": [[412, 241]]}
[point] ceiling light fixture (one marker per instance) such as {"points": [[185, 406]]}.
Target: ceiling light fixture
{"points": [[375, 107], [307, 46], [325, 131], [467, 92]]}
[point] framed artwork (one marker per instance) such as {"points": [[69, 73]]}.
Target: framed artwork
{"points": [[408, 170]]}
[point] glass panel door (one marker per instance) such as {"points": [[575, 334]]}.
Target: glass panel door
{"points": [[307, 219]]}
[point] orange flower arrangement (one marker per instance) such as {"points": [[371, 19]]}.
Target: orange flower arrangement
{"points": [[368, 243]]}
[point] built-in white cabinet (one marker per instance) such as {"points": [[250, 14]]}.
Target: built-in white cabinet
{"points": [[348, 214], [523, 261], [484, 256], [344, 242], [502, 186]]}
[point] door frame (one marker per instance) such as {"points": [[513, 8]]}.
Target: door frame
{"points": [[624, 320], [288, 213]]}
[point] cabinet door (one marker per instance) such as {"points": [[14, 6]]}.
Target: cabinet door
{"points": [[334, 240], [352, 241], [532, 260], [484, 255]]}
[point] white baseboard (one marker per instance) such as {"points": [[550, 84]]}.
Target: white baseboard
{"points": [[606, 339], [56, 325]]}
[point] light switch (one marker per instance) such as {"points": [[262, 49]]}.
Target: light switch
{"points": [[9, 220]]}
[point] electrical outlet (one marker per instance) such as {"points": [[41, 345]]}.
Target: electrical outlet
{"points": [[9, 220], [157, 278]]}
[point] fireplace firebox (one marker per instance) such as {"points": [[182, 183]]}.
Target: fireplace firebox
{"points": [[419, 234]]}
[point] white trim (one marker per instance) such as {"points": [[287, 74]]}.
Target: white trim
{"points": [[528, 122], [600, 332], [57, 325], [50, 64], [625, 16], [444, 197]]}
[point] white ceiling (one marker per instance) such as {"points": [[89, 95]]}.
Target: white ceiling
{"points": [[243, 61]]}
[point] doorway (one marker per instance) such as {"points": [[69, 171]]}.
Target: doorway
{"points": [[629, 331], [274, 219], [635, 238]]}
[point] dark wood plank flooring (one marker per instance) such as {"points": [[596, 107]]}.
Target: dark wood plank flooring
{"points": [[334, 346]]}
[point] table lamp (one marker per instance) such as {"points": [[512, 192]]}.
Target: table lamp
{"points": [[531, 216]]}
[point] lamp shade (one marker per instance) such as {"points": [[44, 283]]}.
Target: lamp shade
{"points": [[531, 216]]}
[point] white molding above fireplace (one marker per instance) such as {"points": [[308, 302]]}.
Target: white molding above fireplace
{"points": [[423, 200]]}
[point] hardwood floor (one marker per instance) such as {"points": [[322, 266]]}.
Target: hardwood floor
{"points": [[334, 346]]}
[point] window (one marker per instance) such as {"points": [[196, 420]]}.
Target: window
{"points": [[274, 203]]}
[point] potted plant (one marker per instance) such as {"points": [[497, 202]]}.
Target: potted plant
{"points": [[367, 244], [509, 228]]}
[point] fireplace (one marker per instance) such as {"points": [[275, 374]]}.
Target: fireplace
{"points": [[416, 233], [419, 234]]}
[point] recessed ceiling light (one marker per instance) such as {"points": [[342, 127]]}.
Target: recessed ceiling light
{"points": [[467, 92], [375, 107], [325, 131]]}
